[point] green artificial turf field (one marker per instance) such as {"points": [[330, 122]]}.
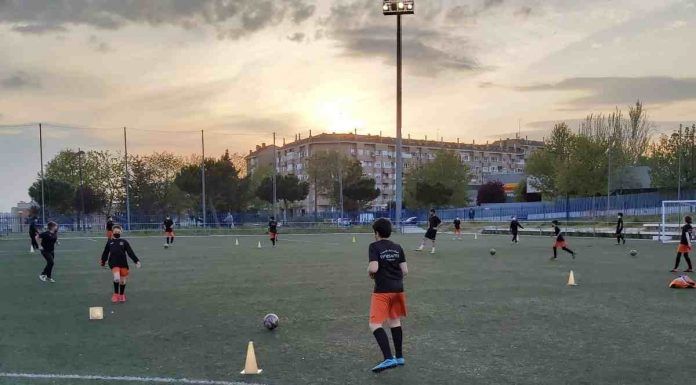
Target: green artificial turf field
{"points": [[474, 318]]}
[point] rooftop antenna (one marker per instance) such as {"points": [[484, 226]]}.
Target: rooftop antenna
{"points": [[519, 125]]}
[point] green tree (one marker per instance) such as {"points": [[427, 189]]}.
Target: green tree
{"points": [[289, 189], [442, 182], [328, 170], [152, 186], [360, 193], [59, 195], [665, 155]]}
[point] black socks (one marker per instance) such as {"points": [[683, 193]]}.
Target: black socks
{"points": [[115, 287], [383, 342], [122, 289], [397, 336]]}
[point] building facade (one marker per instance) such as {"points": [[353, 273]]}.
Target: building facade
{"points": [[377, 155]]}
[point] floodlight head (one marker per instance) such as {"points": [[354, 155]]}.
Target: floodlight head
{"points": [[397, 7]]}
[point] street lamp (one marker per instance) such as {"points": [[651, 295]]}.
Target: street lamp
{"points": [[398, 8], [80, 154]]}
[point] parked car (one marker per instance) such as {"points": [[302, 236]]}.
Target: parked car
{"points": [[411, 221]]}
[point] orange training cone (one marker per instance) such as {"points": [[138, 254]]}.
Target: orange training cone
{"points": [[250, 366], [571, 279]]}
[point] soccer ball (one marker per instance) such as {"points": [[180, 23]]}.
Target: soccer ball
{"points": [[270, 321], [166, 245], [633, 253], [492, 251]]}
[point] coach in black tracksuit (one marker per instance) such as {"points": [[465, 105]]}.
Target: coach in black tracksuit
{"points": [[33, 232], [514, 229], [47, 246]]}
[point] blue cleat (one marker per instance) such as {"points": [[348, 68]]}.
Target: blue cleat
{"points": [[384, 365], [400, 361]]}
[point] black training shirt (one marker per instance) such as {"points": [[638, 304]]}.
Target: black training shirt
{"points": [[389, 277], [434, 222], [514, 225], [115, 251], [33, 230], [168, 223], [48, 241], [457, 224], [559, 234], [685, 233], [619, 225], [272, 226]]}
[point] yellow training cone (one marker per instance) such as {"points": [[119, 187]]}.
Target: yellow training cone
{"points": [[259, 246], [571, 279], [236, 241], [250, 366], [96, 313]]}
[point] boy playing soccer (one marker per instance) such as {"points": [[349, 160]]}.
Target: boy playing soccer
{"points": [[684, 246], [273, 230], [168, 225], [457, 228], [116, 251], [47, 244], [620, 230], [560, 241], [109, 227], [388, 304], [515, 227], [433, 224]]}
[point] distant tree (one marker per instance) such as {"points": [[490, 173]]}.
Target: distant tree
{"points": [[59, 195], [360, 193], [288, 189], [94, 201], [491, 192], [441, 182]]}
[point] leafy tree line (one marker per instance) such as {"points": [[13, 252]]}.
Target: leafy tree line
{"points": [[578, 163], [164, 183]]}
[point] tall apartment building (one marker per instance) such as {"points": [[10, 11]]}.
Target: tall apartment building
{"points": [[377, 156]]}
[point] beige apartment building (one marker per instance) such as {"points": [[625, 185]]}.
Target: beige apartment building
{"points": [[377, 156]]}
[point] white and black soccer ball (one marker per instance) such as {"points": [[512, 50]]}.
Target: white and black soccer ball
{"points": [[492, 251], [633, 253], [166, 245], [270, 321]]}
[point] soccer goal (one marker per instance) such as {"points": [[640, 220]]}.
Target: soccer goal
{"points": [[673, 213]]}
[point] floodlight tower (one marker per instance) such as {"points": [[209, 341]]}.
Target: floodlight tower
{"points": [[398, 8]]}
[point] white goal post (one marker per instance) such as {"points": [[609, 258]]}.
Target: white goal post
{"points": [[673, 213]]}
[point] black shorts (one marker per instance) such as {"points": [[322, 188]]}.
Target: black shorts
{"points": [[431, 234]]}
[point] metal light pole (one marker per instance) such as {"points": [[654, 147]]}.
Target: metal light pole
{"points": [[275, 177], [608, 179], [125, 163], [43, 201], [80, 153], [203, 177], [679, 162], [398, 8]]}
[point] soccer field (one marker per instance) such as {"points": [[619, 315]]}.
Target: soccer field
{"points": [[473, 318]]}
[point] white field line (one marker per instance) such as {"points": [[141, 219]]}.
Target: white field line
{"points": [[163, 380]]}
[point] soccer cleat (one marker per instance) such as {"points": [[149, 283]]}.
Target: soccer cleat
{"points": [[689, 270], [552, 259], [51, 280], [122, 298], [432, 251], [674, 271], [384, 365], [400, 361], [42, 277], [115, 298]]}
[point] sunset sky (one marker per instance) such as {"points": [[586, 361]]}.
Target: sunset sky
{"points": [[243, 69]]}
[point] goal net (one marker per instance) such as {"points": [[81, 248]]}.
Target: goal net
{"points": [[673, 213]]}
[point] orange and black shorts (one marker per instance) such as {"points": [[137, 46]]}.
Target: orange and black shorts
{"points": [[109, 234], [169, 233], [560, 244], [683, 248], [122, 271], [384, 306], [273, 235]]}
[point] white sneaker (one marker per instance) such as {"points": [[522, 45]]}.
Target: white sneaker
{"points": [[52, 280], [432, 251], [42, 277]]}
